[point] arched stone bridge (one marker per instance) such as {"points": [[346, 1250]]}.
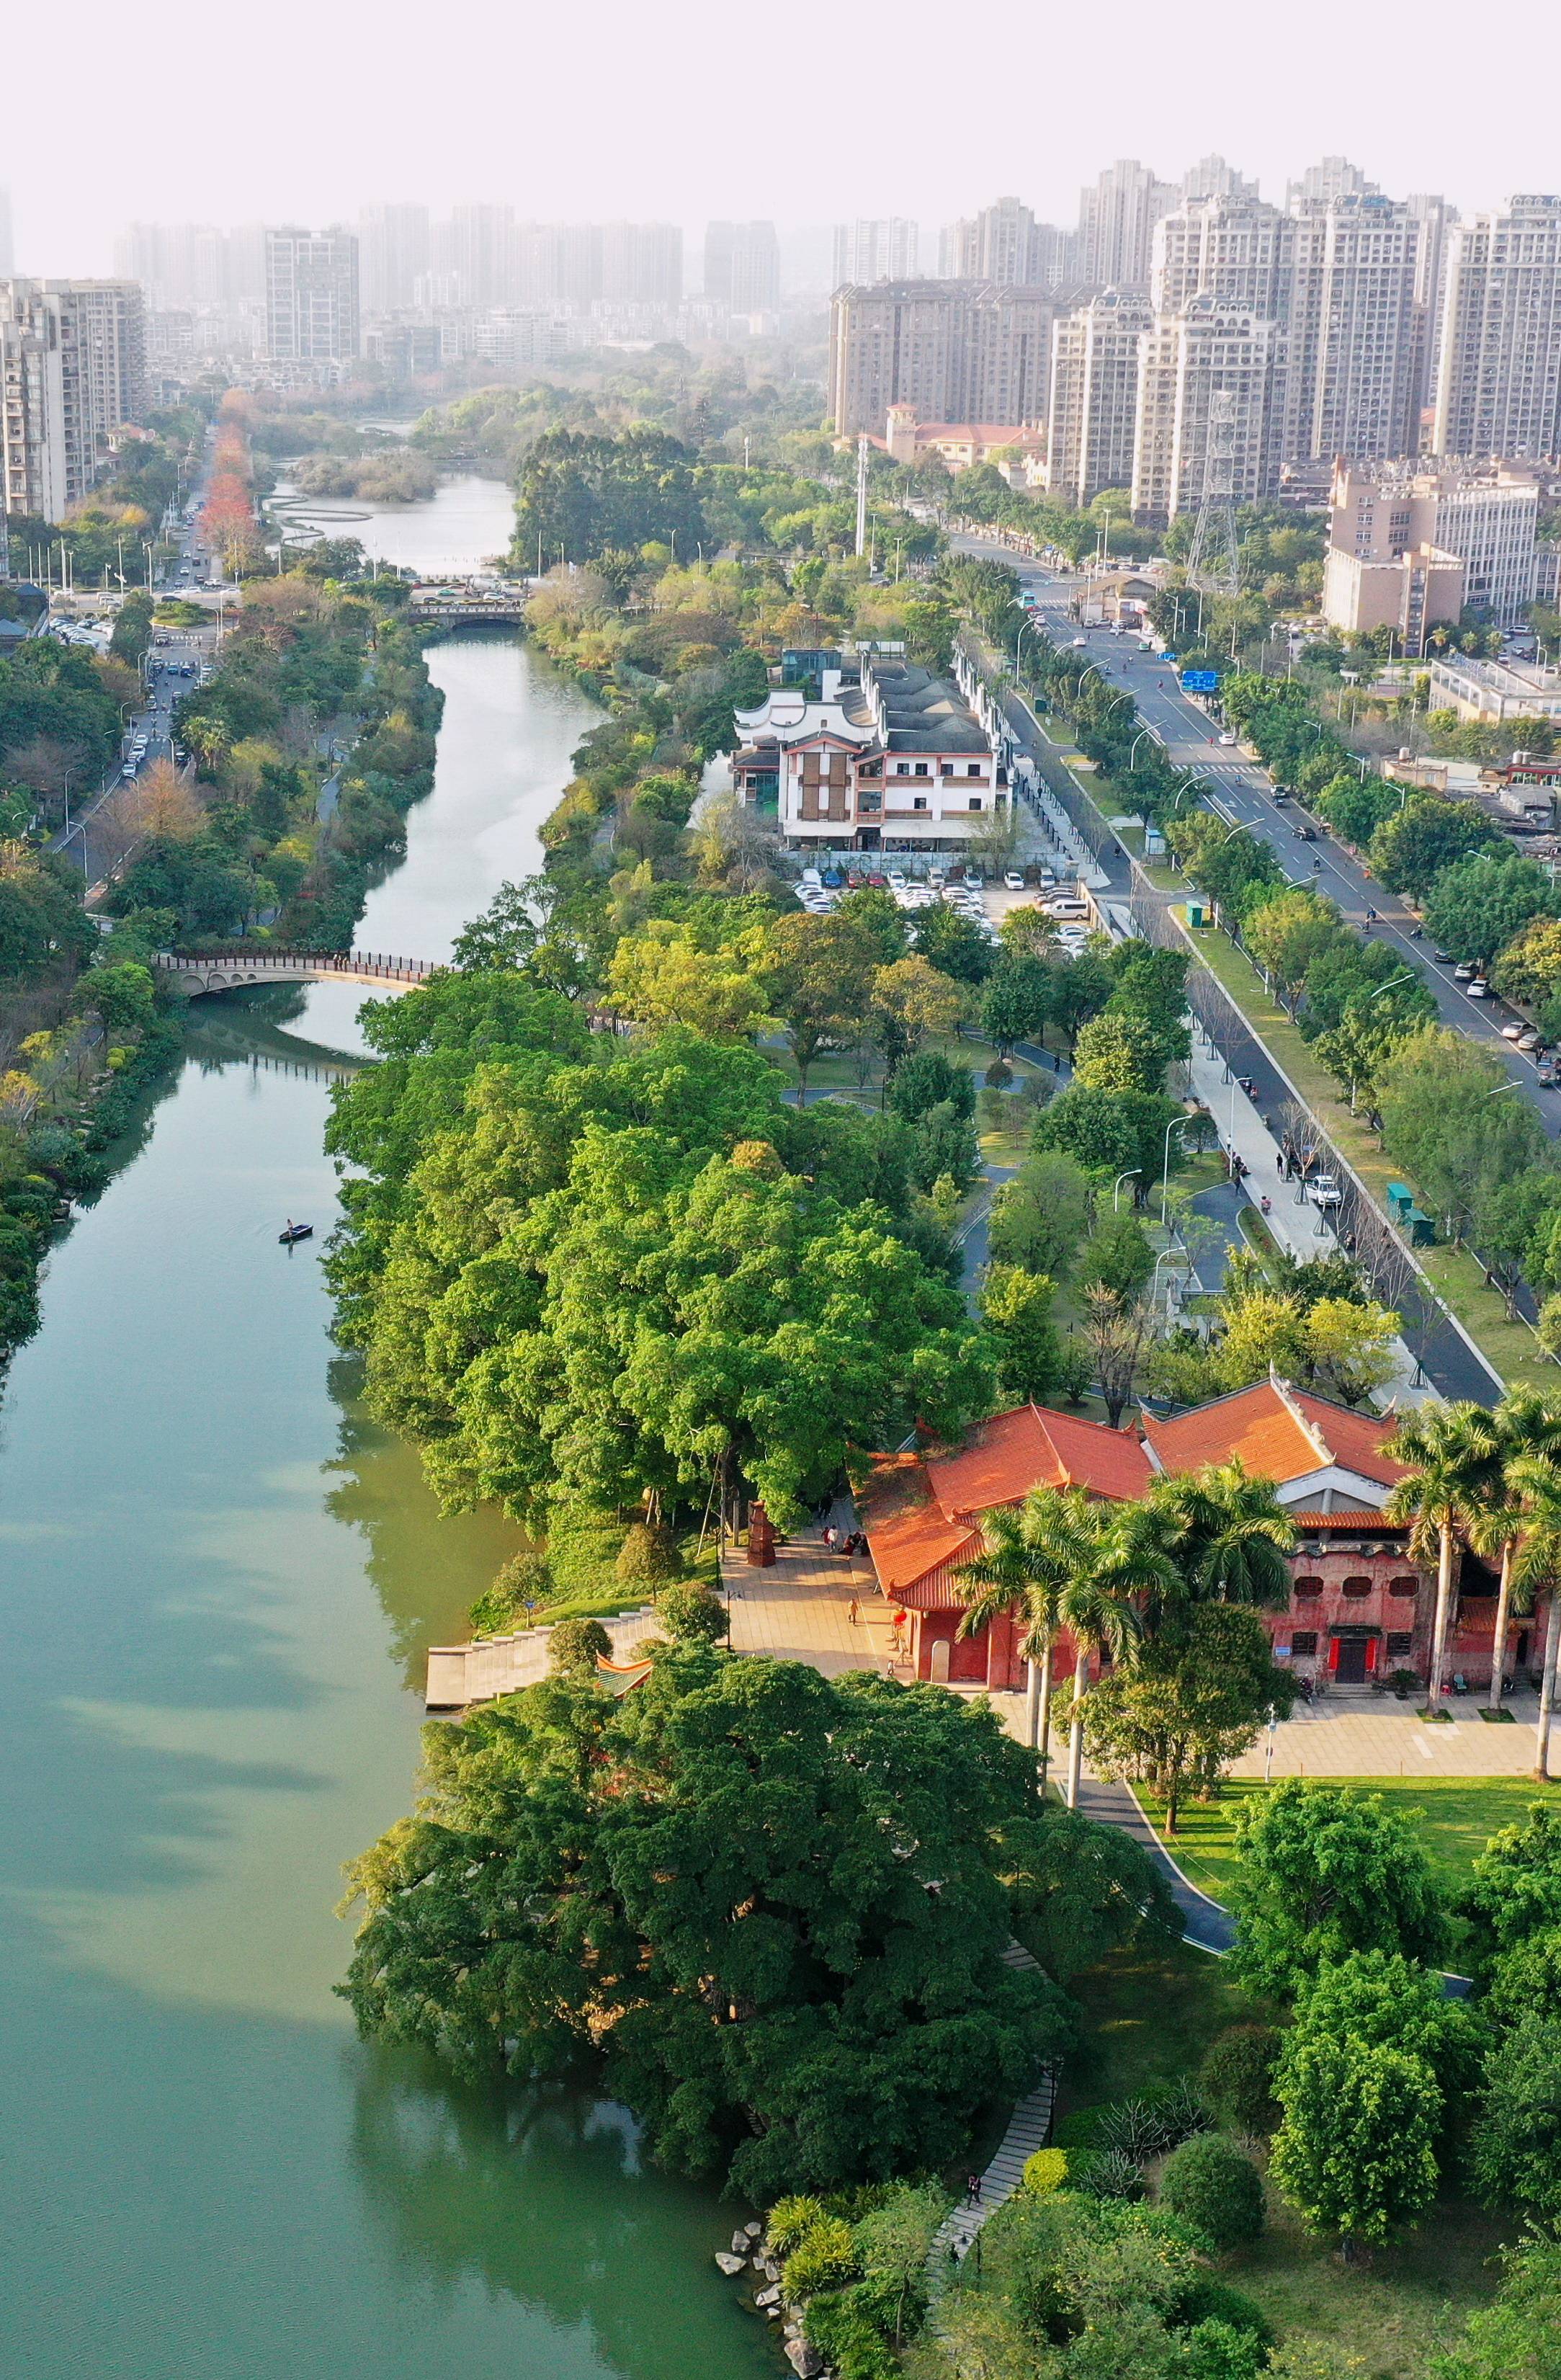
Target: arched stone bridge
{"points": [[236, 970]]}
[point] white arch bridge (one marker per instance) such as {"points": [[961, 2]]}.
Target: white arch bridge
{"points": [[237, 971]]}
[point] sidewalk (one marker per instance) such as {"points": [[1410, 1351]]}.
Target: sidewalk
{"points": [[1299, 1228]]}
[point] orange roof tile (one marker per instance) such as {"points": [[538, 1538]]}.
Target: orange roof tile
{"points": [[908, 1536], [1031, 1446], [1275, 1435], [1359, 1517]]}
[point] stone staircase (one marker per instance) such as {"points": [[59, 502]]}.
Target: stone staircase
{"points": [[1028, 2128]]}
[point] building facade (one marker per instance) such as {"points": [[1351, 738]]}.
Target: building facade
{"points": [[1483, 517], [887, 758], [1495, 694], [1117, 219], [1498, 387], [1360, 1609], [312, 294], [951, 351], [1092, 406], [1185, 358], [73, 368], [743, 267], [881, 248]]}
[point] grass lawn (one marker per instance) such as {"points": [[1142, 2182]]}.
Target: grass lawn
{"points": [[1148, 2017], [1454, 1816], [1511, 1347]]}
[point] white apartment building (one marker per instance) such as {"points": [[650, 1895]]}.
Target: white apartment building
{"points": [[1002, 243], [896, 763], [72, 370], [1117, 219], [1184, 359], [1093, 406], [312, 294], [1498, 387], [874, 248]]}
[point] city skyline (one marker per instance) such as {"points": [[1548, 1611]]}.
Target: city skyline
{"points": [[522, 113]]}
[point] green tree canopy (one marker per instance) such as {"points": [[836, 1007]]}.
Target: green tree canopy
{"points": [[1326, 1871]]}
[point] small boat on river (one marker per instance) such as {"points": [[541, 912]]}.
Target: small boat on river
{"points": [[295, 1232]]}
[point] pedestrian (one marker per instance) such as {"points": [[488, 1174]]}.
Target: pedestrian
{"points": [[829, 1534], [852, 1610]]}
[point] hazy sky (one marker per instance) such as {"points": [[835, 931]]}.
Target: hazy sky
{"points": [[303, 109]]}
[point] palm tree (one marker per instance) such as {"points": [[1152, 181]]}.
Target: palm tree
{"points": [[1529, 1430], [1018, 1574], [1100, 1607], [1229, 1538], [1536, 1483], [1454, 1454]]}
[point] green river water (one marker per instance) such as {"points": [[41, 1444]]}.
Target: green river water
{"points": [[218, 1580]]}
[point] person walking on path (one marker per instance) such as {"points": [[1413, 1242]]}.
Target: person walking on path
{"points": [[829, 1534], [852, 1610]]}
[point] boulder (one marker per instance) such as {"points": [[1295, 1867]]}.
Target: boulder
{"points": [[804, 2360], [770, 2269], [740, 2243], [752, 2230], [730, 2265], [768, 2297]]}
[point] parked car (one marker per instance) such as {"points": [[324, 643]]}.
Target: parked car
{"points": [[1547, 1074], [1513, 1032], [1324, 1190], [1478, 989], [1442, 958], [1529, 1039], [1463, 973], [1014, 880], [1225, 736]]}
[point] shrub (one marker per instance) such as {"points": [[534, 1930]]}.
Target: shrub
{"points": [[845, 2335], [524, 1578], [690, 1614], [1237, 2077], [998, 1075], [1048, 2169], [1211, 2300], [1107, 2173], [790, 2220], [1155, 2121], [1212, 2185], [1213, 2351], [1080, 2130], [576, 1645], [646, 1556], [825, 2258]]}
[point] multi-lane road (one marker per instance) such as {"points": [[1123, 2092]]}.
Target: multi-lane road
{"points": [[1244, 792]]}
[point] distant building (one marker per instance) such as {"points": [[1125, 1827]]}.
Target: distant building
{"points": [[481, 244], [1410, 546], [1498, 389], [954, 351], [7, 253], [743, 267], [393, 247], [1117, 219], [520, 338], [959, 444], [405, 350], [312, 294], [891, 759], [877, 248], [1003, 243]]}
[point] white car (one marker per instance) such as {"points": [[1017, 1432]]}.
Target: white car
{"points": [[1324, 1190], [1513, 1032], [1227, 738], [1014, 881], [810, 876], [1477, 990]]}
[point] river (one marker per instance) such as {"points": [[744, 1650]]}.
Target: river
{"points": [[219, 1579]]}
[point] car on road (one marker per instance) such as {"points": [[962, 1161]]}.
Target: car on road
{"points": [[1306, 835], [1547, 1074], [1014, 880], [1513, 1032], [1324, 1190], [1478, 990], [1225, 736], [1081, 644], [1463, 972], [1529, 1039], [1442, 958], [1281, 794]]}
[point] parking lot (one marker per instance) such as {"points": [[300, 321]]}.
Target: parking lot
{"points": [[985, 904]]}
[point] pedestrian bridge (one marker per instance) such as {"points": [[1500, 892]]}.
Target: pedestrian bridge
{"points": [[236, 970], [461, 602]]}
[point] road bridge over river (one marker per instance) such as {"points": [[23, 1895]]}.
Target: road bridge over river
{"points": [[468, 602], [237, 971]]}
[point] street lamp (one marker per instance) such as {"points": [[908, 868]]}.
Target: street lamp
{"points": [[1116, 1185], [1136, 742], [1177, 1123]]}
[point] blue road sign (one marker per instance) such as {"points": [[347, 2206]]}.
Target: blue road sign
{"points": [[1199, 681]]}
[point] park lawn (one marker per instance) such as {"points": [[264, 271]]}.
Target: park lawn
{"points": [[1454, 1816], [1510, 1346], [1149, 2013]]}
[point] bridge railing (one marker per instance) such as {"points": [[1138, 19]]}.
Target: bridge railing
{"points": [[277, 961]]}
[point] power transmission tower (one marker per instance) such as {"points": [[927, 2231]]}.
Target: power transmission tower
{"points": [[1214, 565]]}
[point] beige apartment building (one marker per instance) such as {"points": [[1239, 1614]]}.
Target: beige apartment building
{"points": [[1498, 389], [955, 351], [1183, 360], [1093, 404], [72, 370], [1410, 546]]}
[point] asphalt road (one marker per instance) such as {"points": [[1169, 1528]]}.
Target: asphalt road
{"points": [[1243, 791]]}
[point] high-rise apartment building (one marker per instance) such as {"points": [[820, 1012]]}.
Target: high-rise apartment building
{"points": [[874, 248], [7, 253], [1185, 358], [312, 294], [72, 370], [1117, 219], [482, 237], [1093, 411], [393, 246], [1213, 178], [1323, 185], [950, 350], [642, 264], [1498, 389], [999, 244], [743, 267]]}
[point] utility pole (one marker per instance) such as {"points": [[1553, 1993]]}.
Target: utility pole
{"points": [[862, 494]]}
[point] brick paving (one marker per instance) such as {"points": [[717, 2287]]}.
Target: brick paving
{"points": [[800, 1609]]}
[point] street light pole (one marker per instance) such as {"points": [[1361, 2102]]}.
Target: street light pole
{"points": [[1116, 1185]]}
